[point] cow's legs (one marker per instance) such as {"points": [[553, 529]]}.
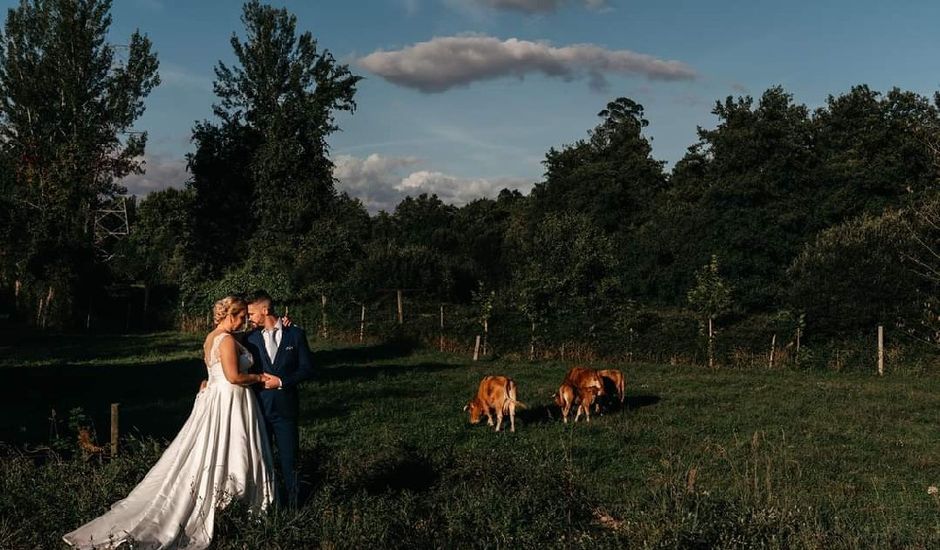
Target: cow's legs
{"points": [[512, 417], [499, 418], [489, 417]]}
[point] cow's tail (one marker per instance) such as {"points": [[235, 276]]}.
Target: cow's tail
{"points": [[511, 393]]}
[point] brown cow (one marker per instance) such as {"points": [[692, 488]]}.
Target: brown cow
{"points": [[612, 379], [569, 395], [495, 394], [587, 397], [583, 377], [565, 399]]}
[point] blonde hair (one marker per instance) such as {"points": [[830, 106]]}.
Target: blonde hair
{"points": [[229, 305]]}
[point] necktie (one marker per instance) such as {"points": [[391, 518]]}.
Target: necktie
{"points": [[271, 343]]}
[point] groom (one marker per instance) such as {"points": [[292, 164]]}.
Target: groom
{"points": [[282, 352]]}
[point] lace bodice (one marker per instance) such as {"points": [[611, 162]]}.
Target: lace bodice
{"points": [[214, 362]]}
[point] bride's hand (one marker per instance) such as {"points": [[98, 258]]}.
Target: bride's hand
{"points": [[202, 385]]}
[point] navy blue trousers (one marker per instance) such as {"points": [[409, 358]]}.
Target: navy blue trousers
{"points": [[285, 441]]}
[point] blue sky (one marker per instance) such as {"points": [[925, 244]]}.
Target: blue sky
{"points": [[466, 132]]}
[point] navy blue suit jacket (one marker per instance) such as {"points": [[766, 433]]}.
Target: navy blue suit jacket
{"points": [[292, 364]]}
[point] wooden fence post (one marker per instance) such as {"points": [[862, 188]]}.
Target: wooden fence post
{"points": [[323, 314], [115, 412], [362, 324], [773, 348], [476, 349], [532, 343], [401, 317], [881, 350]]}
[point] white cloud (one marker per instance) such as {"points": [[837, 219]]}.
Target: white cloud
{"points": [[178, 77], [160, 172], [537, 6], [382, 182], [446, 62], [458, 191]]}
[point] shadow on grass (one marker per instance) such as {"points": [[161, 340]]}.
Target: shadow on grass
{"points": [[364, 354], [371, 372], [633, 402], [409, 473], [538, 414], [28, 347], [155, 398], [549, 412]]}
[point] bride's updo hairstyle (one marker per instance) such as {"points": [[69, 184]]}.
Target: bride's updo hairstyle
{"points": [[227, 306]]}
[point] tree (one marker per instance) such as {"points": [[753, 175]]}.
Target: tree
{"points": [[850, 277], [564, 266], [480, 228], [612, 177], [275, 108], [66, 112], [874, 152], [746, 193], [155, 251], [710, 298]]}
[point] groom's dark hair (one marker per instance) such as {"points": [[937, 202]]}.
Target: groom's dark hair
{"points": [[262, 296]]}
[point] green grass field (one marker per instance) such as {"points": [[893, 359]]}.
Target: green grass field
{"points": [[729, 458]]}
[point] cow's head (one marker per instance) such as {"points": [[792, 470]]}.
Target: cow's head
{"points": [[475, 410], [597, 384], [565, 394], [589, 394]]}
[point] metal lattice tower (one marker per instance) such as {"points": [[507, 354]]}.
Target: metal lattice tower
{"points": [[111, 226]]}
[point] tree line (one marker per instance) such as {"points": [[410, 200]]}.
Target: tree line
{"points": [[825, 216]]}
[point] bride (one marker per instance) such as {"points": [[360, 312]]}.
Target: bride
{"points": [[220, 453]]}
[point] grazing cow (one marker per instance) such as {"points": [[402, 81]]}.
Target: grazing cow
{"points": [[583, 378], [495, 394], [565, 399], [612, 379], [587, 397], [569, 395]]}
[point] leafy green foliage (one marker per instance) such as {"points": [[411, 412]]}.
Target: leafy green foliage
{"points": [[851, 275], [155, 251], [67, 108], [268, 158], [711, 295], [612, 178]]}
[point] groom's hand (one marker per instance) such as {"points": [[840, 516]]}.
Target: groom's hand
{"points": [[270, 381]]}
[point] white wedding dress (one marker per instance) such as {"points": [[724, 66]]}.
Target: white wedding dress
{"points": [[220, 453]]}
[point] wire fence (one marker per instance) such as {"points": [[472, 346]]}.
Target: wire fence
{"points": [[657, 335]]}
